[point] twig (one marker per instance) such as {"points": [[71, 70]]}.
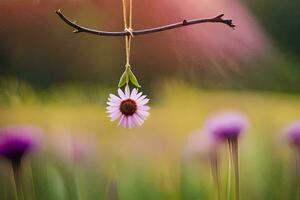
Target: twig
{"points": [[82, 29]]}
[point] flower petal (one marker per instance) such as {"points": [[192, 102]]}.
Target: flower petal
{"points": [[121, 94], [138, 95], [141, 98], [127, 92], [115, 115], [137, 119], [134, 94], [112, 111], [113, 98], [122, 121], [112, 108], [130, 122], [143, 114], [112, 104], [143, 107], [143, 102], [126, 122]]}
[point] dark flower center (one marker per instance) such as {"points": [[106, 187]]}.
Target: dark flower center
{"points": [[128, 107]]}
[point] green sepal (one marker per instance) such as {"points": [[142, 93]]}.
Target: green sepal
{"points": [[133, 78], [124, 79]]}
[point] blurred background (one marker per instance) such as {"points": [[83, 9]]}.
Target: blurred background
{"points": [[261, 53], [59, 81]]}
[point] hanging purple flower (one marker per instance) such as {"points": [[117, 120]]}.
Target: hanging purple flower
{"points": [[227, 125], [16, 141], [130, 107], [292, 133]]}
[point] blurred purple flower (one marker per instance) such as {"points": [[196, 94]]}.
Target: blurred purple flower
{"points": [[292, 132], [84, 149], [227, 125], [16, 141], [79, 149], [201, 143]]}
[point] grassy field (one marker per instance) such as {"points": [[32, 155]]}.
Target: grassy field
{"points": [[149, 162]]}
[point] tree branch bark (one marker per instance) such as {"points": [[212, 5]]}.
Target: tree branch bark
{"points": [[82, 29]]}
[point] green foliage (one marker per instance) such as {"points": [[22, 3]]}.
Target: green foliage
{"points": [[133, 78], [124, 79], [127, 76]]}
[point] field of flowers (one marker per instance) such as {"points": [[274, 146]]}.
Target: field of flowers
{"points": [[149, 100], [82, 155]]}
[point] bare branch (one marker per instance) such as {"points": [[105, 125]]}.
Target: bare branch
{"points": [[82, 29]]}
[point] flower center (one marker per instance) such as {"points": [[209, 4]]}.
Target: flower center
{"points": [[128, 107]]}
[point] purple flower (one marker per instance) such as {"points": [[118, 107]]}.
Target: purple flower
{"points": [[227, 125], [201, 143], [130, 107], [16, 141], [292, 132], [77, 148]]}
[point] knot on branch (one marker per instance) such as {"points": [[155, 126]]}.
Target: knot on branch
{"points": [[129, 31]]}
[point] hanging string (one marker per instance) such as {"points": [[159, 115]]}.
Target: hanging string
{"points": [[128, 28]]}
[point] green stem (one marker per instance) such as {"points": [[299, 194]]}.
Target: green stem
{"points": [[16, 166], [297, 174], [77, 184], [215, 171], [32, 183], [229, 170], [112, 192], [235, 160]]}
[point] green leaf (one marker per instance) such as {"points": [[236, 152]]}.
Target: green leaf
{"points": [[133, 78], [124, 79]]}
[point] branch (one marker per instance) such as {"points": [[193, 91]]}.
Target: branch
{"points": [[82, 29]]}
